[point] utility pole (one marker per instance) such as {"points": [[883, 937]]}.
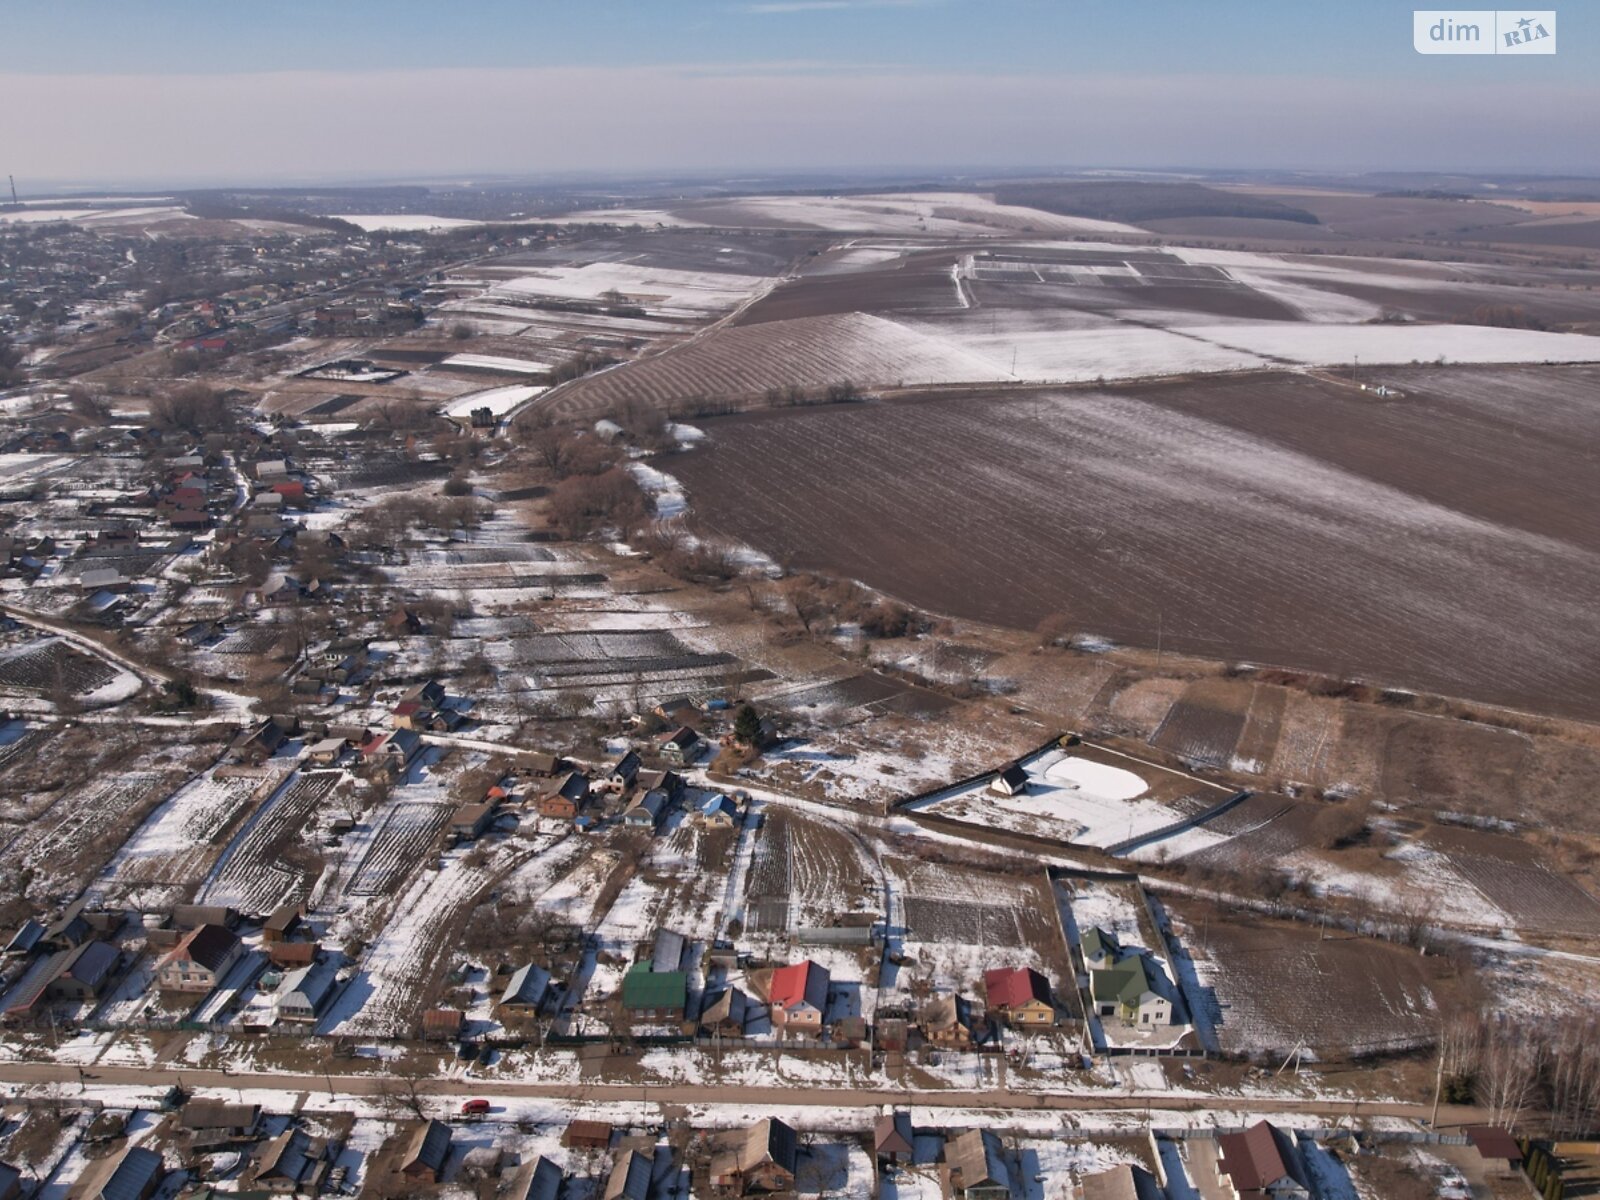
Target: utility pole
{"points": [[1438, 1088]]}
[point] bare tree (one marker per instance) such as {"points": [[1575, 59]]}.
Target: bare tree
{"points": [[1510, 1070]]}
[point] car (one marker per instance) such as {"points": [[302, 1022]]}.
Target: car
{"points": [[474, 1108]]}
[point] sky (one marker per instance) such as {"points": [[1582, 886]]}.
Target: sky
{"points": [[290, 91]]}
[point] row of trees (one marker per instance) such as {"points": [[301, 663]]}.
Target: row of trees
{"points": [[1510, 1064]]}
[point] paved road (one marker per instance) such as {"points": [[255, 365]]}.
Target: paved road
{"points": [[790, 1095]]}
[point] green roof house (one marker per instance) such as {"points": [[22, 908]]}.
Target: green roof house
{"points": [[1100, 949], [1135, 989], [654, 995]]}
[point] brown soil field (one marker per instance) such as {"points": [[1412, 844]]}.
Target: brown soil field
{"points": [[745, 361], [1578, 235], [1205, 725], [1356, 216], [1516, 879], [917, 283], [1275, 983], [1276, 519]]}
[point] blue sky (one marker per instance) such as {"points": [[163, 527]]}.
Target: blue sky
{"points": [[96, 89]]}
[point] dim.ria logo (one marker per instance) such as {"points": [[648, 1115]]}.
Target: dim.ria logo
{"points": [[1484, 31]]}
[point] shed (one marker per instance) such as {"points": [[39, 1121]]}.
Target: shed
{"points": [[893, 1139], [587, 1135]]}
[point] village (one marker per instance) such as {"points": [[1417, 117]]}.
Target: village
{"points": [[401, 799]]}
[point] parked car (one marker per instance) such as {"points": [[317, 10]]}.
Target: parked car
{"points": [[474, 1108]]}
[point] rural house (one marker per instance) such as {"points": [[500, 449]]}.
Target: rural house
{"points": [[893, 1139], [682, 746], [1019, 994], [134, 1174], [544, 1181], [304, 993], [292, 1163], [1134, 990], [1013, 781], [630, 1177], [975, 1168], [798, 996], [1122, 1182], [526, 992], [80, 973], [727, 1013], [668, 781], [624, 772], [1099, 948], [654, 995], [426, 1151], [646, 812], [200, 960], [1262, 1163], [567, 799], [718, 812], [763, 1158]]}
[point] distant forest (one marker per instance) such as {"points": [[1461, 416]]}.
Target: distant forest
{"points": [[1132, 202]]}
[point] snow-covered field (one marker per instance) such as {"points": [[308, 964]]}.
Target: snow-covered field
{"points": [[1069, 797], [496, 362], [687, 293], [402, 222], [499, 401], [1332, 345]]}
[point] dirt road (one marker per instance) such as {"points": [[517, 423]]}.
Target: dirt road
{"points": [[14, 1074]]}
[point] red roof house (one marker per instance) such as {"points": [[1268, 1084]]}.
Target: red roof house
{"points": [[1263, 1162], [798, 996], [1020, 994]]}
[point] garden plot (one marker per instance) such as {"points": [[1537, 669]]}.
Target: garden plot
{"points": [[1075, 797], [50, 666], [77, 833], [1116, 908], [958, 922], [385, 995], [805, 873], [252, 875], [572, 898], [1272, 986], [401, 838], [176, 845], [22, 742], [1517, 883], [1200, 733]]}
